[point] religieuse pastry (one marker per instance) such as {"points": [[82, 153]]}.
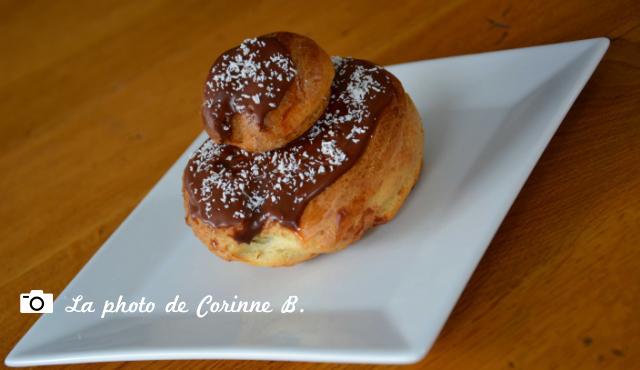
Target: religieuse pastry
{"points": [[285, 189]]}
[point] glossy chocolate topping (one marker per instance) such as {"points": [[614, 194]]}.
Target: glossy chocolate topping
{"points": [[250, 78], [228, 186]]}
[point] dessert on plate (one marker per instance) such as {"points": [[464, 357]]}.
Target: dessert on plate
{"points": [[282, 190]]}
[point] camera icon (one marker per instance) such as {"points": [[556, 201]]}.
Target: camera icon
{"points": [[36, 302]]}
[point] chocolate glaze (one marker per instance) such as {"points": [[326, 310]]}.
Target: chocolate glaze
{"points": [[230, 187], [252, 77]]}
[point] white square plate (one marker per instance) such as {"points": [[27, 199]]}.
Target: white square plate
{"points": [[488, 117]]}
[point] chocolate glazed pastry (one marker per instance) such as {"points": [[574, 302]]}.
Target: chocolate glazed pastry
{"points": [[351, 170], [266, 92]]}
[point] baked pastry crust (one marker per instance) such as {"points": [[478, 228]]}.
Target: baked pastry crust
{"points": [[369, 193], [303, 102]]}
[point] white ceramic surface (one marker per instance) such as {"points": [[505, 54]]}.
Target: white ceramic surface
{"points": [[488, 118]]}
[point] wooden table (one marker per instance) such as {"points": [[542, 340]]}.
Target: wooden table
{"points": [[98, 99]]}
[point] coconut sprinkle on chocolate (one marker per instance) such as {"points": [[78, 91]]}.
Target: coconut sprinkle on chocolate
{"points": [[229, 186], [250, 78]]}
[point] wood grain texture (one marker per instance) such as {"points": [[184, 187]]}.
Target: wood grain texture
{"points": [[99, 98]]}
